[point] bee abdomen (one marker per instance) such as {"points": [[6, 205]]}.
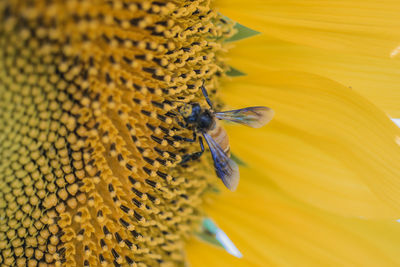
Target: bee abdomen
{"points": [[219, 134]]}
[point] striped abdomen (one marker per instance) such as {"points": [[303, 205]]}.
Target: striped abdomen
{"points": [[218, 133]]}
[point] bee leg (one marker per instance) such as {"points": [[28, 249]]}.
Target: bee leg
{"points": [[181, 124], [180, 138], [194, 155], [197, 155], [204, 90]]}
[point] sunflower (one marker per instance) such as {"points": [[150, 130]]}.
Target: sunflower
{"points": [[93, 151]]}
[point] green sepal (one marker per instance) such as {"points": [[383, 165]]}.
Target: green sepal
{"points": [[242, 33], [206, 237], [208, 231], [209, 226], [232, 72], [238, 160], [215, 190]]}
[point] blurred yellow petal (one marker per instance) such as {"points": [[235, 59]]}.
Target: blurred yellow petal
{"points": [[327, 145], [270, 230], [376, 78], [348, 41], [369, 26]]}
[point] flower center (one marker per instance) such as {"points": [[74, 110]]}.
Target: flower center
{"points": [[89, 141]]}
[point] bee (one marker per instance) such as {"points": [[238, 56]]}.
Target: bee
{"points": [[205, 122]]}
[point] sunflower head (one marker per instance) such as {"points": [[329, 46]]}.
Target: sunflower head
{"points": [[90, 145]]}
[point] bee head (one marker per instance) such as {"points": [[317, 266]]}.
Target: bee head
{"points": [[190, 112]]}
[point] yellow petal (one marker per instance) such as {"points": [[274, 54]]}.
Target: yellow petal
{"points": [[367, 26], [376, 78], [326, 146], [348, 41], [270, 229]]}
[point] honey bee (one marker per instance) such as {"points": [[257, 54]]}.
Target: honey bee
{"points": [[205, 122]]}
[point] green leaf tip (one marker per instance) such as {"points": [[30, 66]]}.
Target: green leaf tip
{"points": [[208, 231], [238, 160], [233, 72], [243, 32], [212, 234]]}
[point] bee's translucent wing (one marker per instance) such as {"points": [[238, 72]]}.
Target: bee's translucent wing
{"points": [[225, 167], [255, 117]]}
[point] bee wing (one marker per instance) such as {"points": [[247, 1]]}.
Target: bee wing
{"points": [[255, 117], [225, 167]]}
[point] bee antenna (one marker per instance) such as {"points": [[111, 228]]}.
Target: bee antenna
{"points": [[204, 90]]}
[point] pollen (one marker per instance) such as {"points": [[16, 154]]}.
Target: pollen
{"points": [[90, 153]]}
